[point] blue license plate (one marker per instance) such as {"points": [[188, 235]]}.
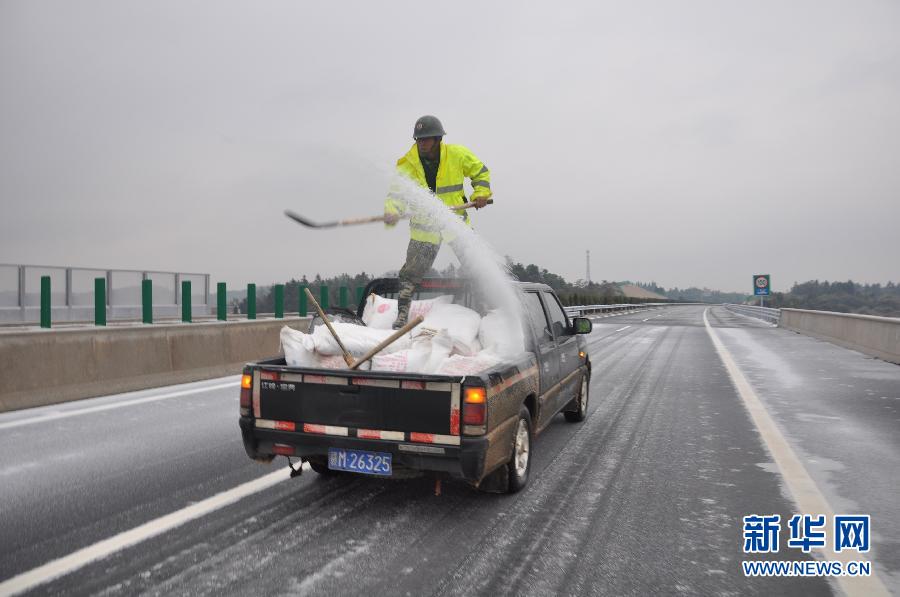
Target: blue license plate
{"points": [[360, 461]]}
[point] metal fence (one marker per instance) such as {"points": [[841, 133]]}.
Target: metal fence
{"points": [[582, 310], [764, 313], [72, 293]]}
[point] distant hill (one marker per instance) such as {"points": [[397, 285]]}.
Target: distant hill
{"points": [[632, 291]]}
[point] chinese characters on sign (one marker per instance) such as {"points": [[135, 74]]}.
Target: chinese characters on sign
{"points": [[761, 533], [807, 532]]}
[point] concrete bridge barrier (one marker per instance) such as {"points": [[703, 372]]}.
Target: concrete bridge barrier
{"points": [[51, 366], [876, 336]]}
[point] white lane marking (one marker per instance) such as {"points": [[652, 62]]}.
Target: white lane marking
{"points": [[648, 319], [93, 409], [67, 564], [624, 328], [806, 493]]}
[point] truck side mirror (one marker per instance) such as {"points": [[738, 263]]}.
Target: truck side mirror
{"points": [[582, 325]]}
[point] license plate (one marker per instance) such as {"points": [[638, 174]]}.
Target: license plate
{"points": [[360, 461]]}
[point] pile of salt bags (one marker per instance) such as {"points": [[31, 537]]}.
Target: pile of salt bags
{"points": [[381, 313], [452, 340]]}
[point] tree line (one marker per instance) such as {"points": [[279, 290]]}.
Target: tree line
{"points": [[842, 297]]}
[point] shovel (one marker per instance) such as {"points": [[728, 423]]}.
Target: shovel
{"points": [[355, 221]]}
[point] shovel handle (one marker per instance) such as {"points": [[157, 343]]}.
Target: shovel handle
{"points": [[388, 341], [469, 205], [347, 357]]}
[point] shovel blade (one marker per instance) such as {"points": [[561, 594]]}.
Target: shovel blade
{"points": [[306, 222]]}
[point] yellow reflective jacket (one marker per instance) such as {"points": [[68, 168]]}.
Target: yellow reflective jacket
{"points": [[457, 164]]}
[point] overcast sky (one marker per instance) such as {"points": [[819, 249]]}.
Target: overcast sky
{"points": [[689, 143]]}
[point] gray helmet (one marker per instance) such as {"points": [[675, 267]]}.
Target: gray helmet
{"points": [[428, 126]]}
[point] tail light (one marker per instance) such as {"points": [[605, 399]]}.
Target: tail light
{"points": [[283, 449], [474, 406], [246, 393]]}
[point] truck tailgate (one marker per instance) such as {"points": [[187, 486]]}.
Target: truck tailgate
{"points": [[357, 406]]}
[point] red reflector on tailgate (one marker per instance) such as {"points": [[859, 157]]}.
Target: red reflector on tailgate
{"points": [[423, 438], [285, 426], [283, 449]]}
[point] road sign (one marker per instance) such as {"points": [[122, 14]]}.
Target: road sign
{"points": [[761, 285]]}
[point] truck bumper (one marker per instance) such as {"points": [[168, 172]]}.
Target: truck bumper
{"points": [[465, 461]]}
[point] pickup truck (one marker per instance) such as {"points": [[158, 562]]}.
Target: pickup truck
{"points": [[479, 428]]}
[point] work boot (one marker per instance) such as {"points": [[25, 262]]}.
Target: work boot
{"points": [[402, 314]]}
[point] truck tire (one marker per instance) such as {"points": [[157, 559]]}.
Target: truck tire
{"points": [[581, 401], [519, 466]]}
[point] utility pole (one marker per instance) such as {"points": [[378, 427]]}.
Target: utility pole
{"points": [[587, 276]]}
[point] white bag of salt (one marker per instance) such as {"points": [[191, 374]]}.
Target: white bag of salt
{"points": [[357, 339], [299, 348], [461, 323], [381, 313]]}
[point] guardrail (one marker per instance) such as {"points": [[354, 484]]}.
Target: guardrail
{"points": [[50, 366], [869, 334], [764, 313], [582, 310], [32, 293]]}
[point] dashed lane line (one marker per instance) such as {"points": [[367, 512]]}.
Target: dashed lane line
{"points": [[806, 493], [624, 328]]}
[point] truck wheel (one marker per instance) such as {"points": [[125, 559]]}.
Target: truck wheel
{"points": [[581, 402], [520, 464]]}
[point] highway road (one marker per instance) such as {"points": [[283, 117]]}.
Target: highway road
{"points": [[645, 497]]}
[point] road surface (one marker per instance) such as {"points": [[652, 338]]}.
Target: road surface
{"points": [[645, 497]]}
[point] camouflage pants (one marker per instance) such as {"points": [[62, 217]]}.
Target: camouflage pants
{"points": [[420, 257]]}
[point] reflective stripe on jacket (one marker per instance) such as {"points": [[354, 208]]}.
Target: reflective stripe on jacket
{"points": [[457, 164]]}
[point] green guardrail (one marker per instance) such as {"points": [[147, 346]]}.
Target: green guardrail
{"points": [[99, 301], [221, 302], [251, 301], [304, 307], [45, 301], [147, 301], [279, 301], [186, 300], [278, 294]]}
